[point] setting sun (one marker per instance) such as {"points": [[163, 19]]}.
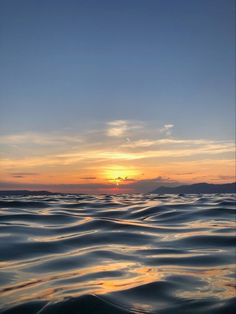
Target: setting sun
{"points": [[120, 174]]}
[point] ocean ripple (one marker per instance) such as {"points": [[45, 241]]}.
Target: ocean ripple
{"points": [[117, 254]]}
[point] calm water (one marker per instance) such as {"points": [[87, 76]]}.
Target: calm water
{"points": [[117, 254]]}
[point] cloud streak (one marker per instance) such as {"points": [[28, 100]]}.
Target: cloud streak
{"points": [[195, 148], [119, 144], [119, 128]]}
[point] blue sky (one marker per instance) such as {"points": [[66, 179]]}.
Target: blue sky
{"points": [[73, 68], [66, 64]]}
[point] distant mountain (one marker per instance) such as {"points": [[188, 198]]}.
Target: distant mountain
{"points": [[24, 192], [197, 188]]}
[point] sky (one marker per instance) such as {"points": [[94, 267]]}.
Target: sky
{"points": [[116, 96]]}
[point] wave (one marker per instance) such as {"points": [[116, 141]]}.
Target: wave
{"points": [[117, 254]]}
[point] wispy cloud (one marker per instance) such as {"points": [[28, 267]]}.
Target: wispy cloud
{"points": [[23, 174], [168, 141], [167, 129], [117, 154], [118, 128], [39, 139], [118, 144]]}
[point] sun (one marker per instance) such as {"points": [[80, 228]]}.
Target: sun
{"points": [[120, 174]]}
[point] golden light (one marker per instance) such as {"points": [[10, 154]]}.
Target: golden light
{"points": [[120, 174]]}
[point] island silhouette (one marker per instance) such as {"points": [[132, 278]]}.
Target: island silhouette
{"points": [[203, 188]]}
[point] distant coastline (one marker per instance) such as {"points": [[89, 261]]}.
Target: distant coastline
{"points": [[25, 192], [203, 188]]}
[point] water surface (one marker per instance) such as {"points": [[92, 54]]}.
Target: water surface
{"points": [[117, 254]]}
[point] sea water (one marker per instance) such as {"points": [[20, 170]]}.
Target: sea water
{"points": [[117, 254]]}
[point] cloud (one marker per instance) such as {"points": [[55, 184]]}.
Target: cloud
{"points": [[183, 173], [71, 158], [23, 174], [166, 141], [126, 179], [103, 155], [39, 139], [122, 179], [222, 177], [18, 176], [167, 129], [140, 143], [119, 128]]}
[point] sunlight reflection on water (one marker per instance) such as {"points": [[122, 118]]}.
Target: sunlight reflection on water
{"points": [[128, 253]]}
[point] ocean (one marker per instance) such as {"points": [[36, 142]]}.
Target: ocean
{"points": [[105, 254]]}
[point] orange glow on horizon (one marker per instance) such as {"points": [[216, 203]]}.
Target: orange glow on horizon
{"points": [[113, 164], [120, 174], [116, 178]]}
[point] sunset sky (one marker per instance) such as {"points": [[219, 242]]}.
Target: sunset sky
{"points": [[116, 96]]}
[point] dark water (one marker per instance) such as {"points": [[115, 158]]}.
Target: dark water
{"points": [[117, 254]]}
